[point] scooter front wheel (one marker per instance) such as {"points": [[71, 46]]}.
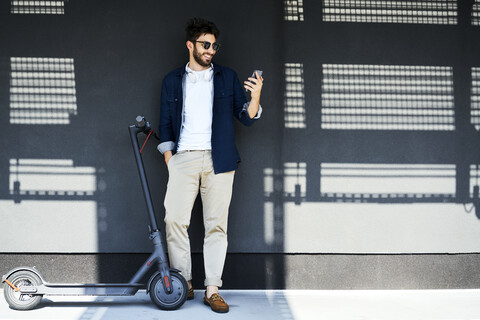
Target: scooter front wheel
{"points": [[17, 300], [173, 300]]}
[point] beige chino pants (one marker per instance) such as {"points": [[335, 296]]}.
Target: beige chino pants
{"points": [[189, 173]]}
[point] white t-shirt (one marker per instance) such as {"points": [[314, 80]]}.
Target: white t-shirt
{"points": [[196, 131]]}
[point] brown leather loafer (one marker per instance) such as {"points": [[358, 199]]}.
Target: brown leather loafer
{"points": [[216, 302], [191, 294]]}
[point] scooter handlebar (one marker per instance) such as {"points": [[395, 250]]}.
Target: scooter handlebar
{"points": [[144, 126]]}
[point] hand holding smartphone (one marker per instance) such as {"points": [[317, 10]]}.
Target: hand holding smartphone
{"points": [[260, 72]]}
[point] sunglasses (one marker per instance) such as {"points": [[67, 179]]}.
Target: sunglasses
{"points": [[207, 44]]}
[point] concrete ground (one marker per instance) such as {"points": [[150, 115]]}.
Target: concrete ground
{"points": [[268, 304]]}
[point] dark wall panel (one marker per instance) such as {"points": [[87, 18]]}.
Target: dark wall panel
{"points": [[307, 185]]}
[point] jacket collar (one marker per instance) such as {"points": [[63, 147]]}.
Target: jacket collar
{"points": [[217, 69]]}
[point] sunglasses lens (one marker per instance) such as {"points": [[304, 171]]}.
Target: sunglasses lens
{"points": [[207, 45]]}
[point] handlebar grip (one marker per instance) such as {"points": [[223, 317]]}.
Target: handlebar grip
{"points": [[140, 121]]}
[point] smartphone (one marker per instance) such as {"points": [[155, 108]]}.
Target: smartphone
{"points": [[260, 72]]}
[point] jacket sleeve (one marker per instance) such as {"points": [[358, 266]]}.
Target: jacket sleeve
{"points": [[241, 104], [165, 128]]}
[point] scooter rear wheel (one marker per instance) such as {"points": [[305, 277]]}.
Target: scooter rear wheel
{"points": [[17, 300], [169, 301]]}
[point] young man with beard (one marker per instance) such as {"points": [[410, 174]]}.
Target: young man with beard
{"points": [[198, 104]]}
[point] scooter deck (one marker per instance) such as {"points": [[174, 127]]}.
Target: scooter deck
{"points": [[88, 289]]}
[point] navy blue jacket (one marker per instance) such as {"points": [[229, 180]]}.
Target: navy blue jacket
{"points": [[228, 102]]}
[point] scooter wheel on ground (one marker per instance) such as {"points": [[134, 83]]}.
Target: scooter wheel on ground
{"points": [[17, 300], [169, 301]]}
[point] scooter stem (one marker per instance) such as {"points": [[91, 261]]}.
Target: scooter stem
{"points": [[134, 131]]}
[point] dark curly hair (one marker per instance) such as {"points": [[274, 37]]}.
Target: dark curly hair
{"points": [[197, 26]]}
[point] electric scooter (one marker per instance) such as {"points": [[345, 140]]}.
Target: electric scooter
{"points": [[24, 287]]}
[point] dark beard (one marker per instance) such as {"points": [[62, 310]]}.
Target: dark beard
{"points": [[198, 58]]}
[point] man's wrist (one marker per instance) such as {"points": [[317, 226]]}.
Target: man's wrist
{"points": [[167, 155], [257, 108], [255, 100]]}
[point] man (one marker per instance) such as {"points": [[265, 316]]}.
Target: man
{"points": [[198, 104]]}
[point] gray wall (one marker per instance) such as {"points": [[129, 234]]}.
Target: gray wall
{"points": [[368, 144]]}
